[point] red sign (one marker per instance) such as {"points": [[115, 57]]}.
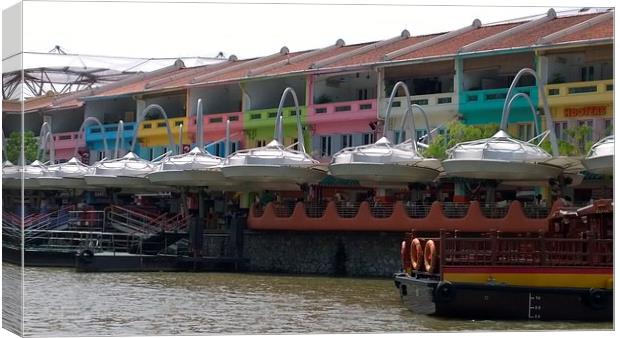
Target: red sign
{"points": [[585, 111]]}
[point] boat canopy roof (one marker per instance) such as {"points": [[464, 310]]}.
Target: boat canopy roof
{"points": [[499, 147], [71, 168], [129, 165], [382, 151], [196, 159], [604, 147], [273, 153]]}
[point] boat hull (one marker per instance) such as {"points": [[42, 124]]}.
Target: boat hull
{"points": [[500, 170], [273, 177], [380, 174], [494, 301], [602, 165]]}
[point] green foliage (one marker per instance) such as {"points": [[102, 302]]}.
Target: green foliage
{"points": [[13, 147], [578, 143], [458, 132]]}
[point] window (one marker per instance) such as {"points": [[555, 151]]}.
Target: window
{"points": [[346, 140], [100, 155], [326, 146], [587, 73], [369, 138], [398, 137], [151, 154], [526, 131], [261, 143], [560, 130], [362, 94]]}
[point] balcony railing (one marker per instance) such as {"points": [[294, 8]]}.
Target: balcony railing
{"points": [[266, 117], [579, 88], [154, 133], [398, 216], [426, 100], [496, 95], [68, 140], [94, 133], [214, 125], [350, 107]]}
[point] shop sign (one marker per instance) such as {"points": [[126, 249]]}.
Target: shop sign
{"points": [[585, 111]]}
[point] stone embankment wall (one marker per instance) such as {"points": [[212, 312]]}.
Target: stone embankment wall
{"points": [[362, 254]]}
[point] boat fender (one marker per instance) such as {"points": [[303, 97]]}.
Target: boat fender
{"points": [[405, 257], [87, 256], [403, 290], [430, 256], [417, 259], [596, 299], [444, 292]]}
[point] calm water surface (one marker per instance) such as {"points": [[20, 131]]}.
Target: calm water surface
{"points": [[60, 302]]}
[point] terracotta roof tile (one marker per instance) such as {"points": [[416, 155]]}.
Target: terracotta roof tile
{"points": [[377, 54], [241, 73], [602, 30], [451, 46], [183, 77], [530, 36], [43, 102], [305, 64]]}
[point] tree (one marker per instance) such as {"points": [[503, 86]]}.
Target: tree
{"points": [[13, 147], [578, 144], [458, 132]]}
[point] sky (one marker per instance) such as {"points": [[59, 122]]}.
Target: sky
{"points": [[191, 28]]}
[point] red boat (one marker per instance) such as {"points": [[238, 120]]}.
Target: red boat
{"points": [[564, 273]]}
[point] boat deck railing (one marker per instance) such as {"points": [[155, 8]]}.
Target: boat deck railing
{"points": [[526, 251]]}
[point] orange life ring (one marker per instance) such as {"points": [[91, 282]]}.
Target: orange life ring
{"points": [[416, 256], [404, 256], [430, 256]]}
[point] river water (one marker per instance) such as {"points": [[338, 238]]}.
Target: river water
{"points": [[61, 302]]}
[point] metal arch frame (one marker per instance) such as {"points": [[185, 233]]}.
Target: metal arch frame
{"points": [[388, 110], [199, 126], [278, 134], [141, 118], [119, 130], [504, 124], [541, 93], [412, 124], [45, 128], [49, 138], [95, 120]]}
